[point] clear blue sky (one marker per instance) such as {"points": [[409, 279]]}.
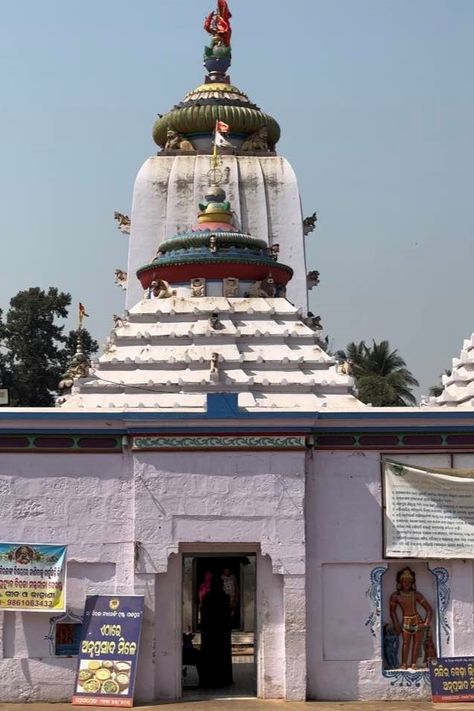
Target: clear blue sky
{"points": [[376, 103]]}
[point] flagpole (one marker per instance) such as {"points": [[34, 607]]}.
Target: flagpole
{"points": [[215, 155]]}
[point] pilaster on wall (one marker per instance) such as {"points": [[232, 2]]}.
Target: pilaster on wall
{"points": [[145, 686], [462, 595], [270, 653], [294, 605], [2, 618]]}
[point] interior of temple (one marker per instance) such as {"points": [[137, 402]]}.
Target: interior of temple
{"points": [[219, 625]]}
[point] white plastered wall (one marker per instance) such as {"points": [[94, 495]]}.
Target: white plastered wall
{"points": [[264, 194], [240, 501], [83, 501], [344, 544]]}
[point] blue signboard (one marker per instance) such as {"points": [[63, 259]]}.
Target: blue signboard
{"points": [[108, 653], [452, 679]]}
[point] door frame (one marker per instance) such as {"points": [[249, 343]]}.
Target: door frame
{"points": [[223, 550]]}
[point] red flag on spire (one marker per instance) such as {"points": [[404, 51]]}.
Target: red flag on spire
{"points": [[223, 21], [217, 23], [223, 30], [223, 10], [82, 313], [222, 127], [208, 23]]}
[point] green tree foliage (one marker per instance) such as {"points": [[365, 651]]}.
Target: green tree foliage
{"points": [[34, 346], [381, 375], [3, 363]]}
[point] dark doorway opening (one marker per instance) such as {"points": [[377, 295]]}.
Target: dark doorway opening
{"points": [[219, 593]]}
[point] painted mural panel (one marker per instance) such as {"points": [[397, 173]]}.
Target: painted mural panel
{"points": [[32, 577], [412, 601]]}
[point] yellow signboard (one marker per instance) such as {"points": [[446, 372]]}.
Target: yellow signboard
{"points": [[32, 577]]}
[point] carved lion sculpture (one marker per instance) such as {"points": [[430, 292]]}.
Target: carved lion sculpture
{"points": [[176, 142], [124, 222], [309, 223], [263, 288], [346, 367], [121, 278], [161, 289], [312, 279], [313, 322], [257, 141]]}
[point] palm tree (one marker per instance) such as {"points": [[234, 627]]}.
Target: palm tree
{"points": [[381, 375]]}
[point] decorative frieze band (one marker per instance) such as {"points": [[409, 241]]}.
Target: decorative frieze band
{"points": [[19, 442], [213, 442], [427, 440]]}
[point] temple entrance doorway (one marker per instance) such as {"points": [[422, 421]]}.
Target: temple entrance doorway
{"points": [[218, 623]]}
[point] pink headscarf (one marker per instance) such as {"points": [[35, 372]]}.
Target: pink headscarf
{"points": [[205, 586]]}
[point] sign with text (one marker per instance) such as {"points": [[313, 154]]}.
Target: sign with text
{"points": [[452, 679], [32, 577], [108, 652], [429, 513]]}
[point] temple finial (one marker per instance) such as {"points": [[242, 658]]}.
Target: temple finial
{"points": [[78, 366], [218, 54]]}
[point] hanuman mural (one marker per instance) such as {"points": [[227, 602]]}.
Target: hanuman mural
{"points": [[414, 627]]}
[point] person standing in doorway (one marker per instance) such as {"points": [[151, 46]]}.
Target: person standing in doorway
{"points": [[229, 584], [216, 649]]}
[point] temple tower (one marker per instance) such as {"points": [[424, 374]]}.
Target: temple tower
{"points": [[260, 184], [216, 303]]}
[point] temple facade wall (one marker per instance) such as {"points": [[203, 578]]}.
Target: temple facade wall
{"points": [[312, 519], [83, 501], [349, 582], [127, 520]]}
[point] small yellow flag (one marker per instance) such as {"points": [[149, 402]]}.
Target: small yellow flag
{"points": [[82, 313]]}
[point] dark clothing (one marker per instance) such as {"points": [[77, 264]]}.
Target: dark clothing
{"points": [[216, 650], [191, 655]]}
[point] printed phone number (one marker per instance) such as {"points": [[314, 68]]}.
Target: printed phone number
{"points": [[29, 603]]}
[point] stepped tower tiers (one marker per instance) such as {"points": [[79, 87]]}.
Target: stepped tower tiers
{"points": [[458, 385], [214, 318], [261, 185]]}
